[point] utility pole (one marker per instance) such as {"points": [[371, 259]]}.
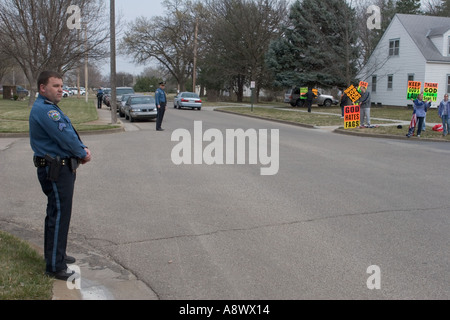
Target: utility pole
{"points": [[78, 65], [86, 73], [113, 101], [194, 75]]}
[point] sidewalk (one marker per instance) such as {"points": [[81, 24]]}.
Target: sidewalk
{"points": [[101, 278], [105, 118]]}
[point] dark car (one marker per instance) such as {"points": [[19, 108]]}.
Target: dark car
{"points": [[140, 107], [121, 106], [22, 92], [120, 91], [106, 97]]}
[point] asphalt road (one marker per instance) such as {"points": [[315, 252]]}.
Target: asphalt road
{"points": [[337, 206]]}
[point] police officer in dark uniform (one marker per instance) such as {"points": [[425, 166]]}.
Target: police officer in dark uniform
{"points": [[161, 103], [58, 151], [99, 98]]}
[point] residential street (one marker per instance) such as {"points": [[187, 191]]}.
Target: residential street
{"points": [[338, 205]]}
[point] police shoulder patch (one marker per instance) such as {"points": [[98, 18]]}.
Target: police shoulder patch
{"points": [[54, 115]]}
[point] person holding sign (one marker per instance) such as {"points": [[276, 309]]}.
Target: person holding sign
{"points": [[444, 112], [364, 103], [344, 103], [421, 108], [309, 98]]}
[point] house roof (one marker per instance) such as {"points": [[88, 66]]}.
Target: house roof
{"points": [[421, 29]]}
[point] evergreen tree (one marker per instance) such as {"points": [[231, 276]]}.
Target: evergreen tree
{"points": [[318, 47], [408, 7]]}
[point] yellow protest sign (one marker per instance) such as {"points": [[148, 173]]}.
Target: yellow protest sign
{"points": [[352, 93], [430, 91]]}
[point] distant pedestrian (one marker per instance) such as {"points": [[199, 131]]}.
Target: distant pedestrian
{"points": [[161, 103], [99, 98], [444, 112], [421, 108], [364, 103], [310, 95], [58, 151]]}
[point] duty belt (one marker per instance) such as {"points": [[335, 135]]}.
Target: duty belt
{"points": [[72, 163], [42, 162]]}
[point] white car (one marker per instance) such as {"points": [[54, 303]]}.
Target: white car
{"points": [[75, 91], [187, 100]]}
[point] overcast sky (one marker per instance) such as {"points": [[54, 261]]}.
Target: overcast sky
{"points": [[129, 10]]}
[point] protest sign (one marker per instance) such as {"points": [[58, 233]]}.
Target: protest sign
{"points": [[413, 89], [353, 94], [362, 84], [352, 117], [430, 91]]}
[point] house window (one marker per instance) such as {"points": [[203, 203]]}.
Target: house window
{"points": [[390, 81], [448, 83], [394, 47], [410, 77], [374, 83]]}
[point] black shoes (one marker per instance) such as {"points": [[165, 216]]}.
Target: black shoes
{"points": [[160, 129], [63, 275], [70, 260]]}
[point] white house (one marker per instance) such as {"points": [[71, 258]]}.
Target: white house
{"points": [[413, 48]]}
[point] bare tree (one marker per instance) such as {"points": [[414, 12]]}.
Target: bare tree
{"points": [[238, 35], [37, 36], [438, 8], [168, 40]]}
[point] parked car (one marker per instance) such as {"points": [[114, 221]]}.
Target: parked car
{"points": [[66, 93], [140, 107], [21, 91], [187, 100], [120, 91], [321, 99], [121, 106], [75, 91], [106, 97]]}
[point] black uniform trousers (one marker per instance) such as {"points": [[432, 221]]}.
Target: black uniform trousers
{"points": [[59, 211], [160, 116], [99, 102], [308, 105]]}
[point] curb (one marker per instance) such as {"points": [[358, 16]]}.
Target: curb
{"points": [[102, 278], [385, 136], [309, 126], [92, 132]]}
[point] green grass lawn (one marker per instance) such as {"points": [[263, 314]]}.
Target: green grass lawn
{"points": [[22, 274], [14, 115], [322, 116]]}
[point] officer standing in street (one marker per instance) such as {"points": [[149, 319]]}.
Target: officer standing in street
{"points": [[58, 151], [161, 103]]}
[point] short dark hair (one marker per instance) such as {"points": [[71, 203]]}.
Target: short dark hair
{"points": [[45, 76]]}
